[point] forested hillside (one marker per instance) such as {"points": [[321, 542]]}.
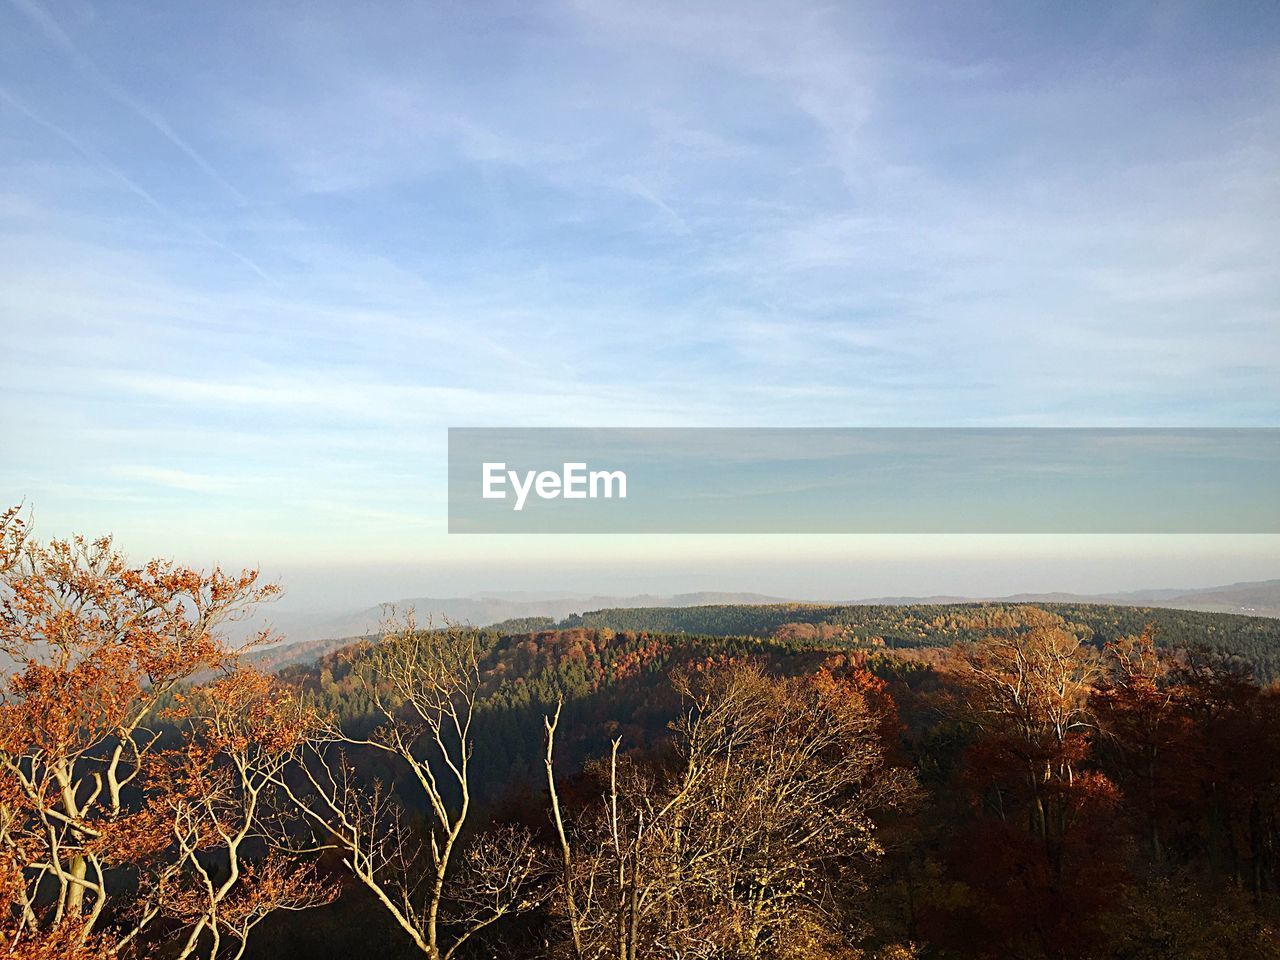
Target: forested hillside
{"points": [[1256, 639], [972, 782], [612, 683], [611, 667], [1114, 850], [902, 626]]}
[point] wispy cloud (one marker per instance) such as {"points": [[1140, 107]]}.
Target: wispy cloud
{"points": [[181, 480], [58, 37], [306, 244], [99, 161]]}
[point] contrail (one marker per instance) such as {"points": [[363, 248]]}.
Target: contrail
{"points": [[102, 163], [59, 38]]}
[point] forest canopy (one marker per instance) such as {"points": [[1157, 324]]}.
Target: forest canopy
{"points": [[967, 781]]}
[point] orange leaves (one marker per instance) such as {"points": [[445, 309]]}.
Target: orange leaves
{"points": [[96, 640], [99, 644], [274, 882], [66, 711], [248, 710], [134, 838], [67, 941], [13, 533]]}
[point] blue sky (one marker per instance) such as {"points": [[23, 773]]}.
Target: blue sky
{"points": [[257, 257]]}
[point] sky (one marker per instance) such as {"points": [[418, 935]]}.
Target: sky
{"points": [[256, 258]]}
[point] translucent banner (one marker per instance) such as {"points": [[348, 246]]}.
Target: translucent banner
{"points": [[889, 480]]}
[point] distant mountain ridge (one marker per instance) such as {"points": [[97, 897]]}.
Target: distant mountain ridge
{"points": [[1258, 598], [483, 609]]}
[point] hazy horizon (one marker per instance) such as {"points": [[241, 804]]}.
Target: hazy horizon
{"points": [[823, 570]]}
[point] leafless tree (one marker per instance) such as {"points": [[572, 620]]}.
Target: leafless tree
{"points": [[423, 685], [750, 842], [1026, 684]]}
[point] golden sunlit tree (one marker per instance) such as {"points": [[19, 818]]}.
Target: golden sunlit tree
{"points": [[751, 841], [108, 837], [1027, 683], [1045, 816]]}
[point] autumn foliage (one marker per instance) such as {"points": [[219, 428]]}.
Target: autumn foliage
{"points": [[1098, 791], [446, 792], [111, 837]]}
